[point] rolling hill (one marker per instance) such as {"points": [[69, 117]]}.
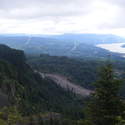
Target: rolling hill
{"points": [[71, 45]]}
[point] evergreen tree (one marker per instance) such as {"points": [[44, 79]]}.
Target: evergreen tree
{"points": [[105, 104]]}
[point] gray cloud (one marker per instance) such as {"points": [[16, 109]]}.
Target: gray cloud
{"points": [[119, 19], [117, 2], [61, 15], [39, 8]]}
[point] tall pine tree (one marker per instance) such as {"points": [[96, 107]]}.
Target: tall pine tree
{"points": [[105, 105]]}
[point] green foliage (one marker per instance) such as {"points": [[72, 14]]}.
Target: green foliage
{"points": [[31, 94], [10, 115], [82, 72], [121, 121], [105, 105], [22, 87], [2, 122]]}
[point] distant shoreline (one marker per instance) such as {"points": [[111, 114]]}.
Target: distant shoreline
{"points": [[113, 47]]}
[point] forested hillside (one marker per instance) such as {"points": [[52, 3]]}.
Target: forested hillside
{"points": [[81, 71], [31, 94], [28, 98]]}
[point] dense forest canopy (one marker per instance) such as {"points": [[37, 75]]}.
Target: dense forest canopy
{"points": [[27, 96], [81, 71], [22, 87]]}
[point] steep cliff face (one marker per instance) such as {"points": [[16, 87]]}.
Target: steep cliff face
{"points": [[11, 55], [8, 82]]}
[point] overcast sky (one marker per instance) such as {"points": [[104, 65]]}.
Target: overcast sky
{"points": [[62, 16]]}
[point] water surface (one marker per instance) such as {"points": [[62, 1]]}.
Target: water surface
{"points": [[113, 47]]}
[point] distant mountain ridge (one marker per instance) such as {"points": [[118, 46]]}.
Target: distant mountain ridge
{"points": [[71, 45], [91, 38], [81, 37]]}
